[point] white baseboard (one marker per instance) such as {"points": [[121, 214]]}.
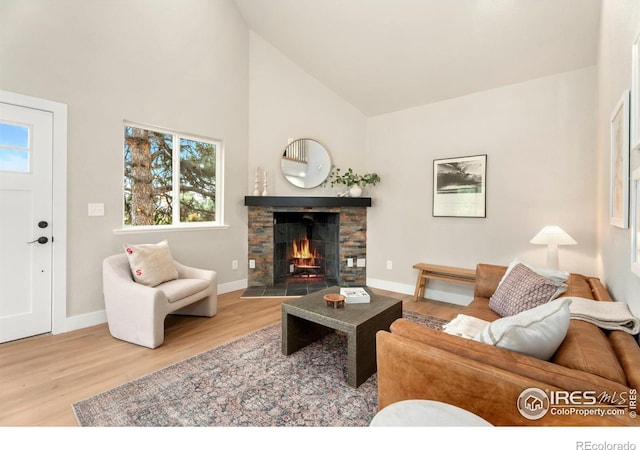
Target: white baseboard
{"points": [[99, 317], [85, 320], [232, 286], [433, 294]]}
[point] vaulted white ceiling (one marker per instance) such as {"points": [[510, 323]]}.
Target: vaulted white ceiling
{"points": [[388, 55]]}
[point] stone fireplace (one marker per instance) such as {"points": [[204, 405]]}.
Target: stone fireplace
{"points": [[302, 244]]}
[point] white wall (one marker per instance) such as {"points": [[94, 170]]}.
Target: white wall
{"points": [[181, 65], [110, 61], [539, 139], [620, 24], [286, 102]]}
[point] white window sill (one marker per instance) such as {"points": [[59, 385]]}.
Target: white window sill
{"points": [[165, 228]]}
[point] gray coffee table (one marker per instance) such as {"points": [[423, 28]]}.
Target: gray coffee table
{"points": [[307, 319]]}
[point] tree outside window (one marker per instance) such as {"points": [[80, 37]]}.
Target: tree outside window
{"points": [[169, 178]]}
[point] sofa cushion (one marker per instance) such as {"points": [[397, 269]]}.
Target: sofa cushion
{"points": [[151, 264], [628, 354], [586, 348], [579, 286], [536, 332], [178, 289], [479, 308], [488, 277], [523, 289]]}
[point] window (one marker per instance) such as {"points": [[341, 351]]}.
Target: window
{"points": [[170, 178], [14, 148]]}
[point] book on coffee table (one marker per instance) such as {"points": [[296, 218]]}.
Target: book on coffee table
{"points": [[355, 295]]}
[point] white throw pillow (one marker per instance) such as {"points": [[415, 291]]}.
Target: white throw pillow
{"points": [[151, 264], [537, 332]]}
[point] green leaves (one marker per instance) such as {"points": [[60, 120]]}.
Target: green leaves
{"points": [[350, 178]]}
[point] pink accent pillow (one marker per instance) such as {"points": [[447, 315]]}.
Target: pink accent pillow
{"points": [[521, 290], [151, 264]]}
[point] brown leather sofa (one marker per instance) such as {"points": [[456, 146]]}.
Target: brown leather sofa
{"points": [[417, 362]]}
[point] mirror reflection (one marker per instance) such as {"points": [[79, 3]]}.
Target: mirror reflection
{"points": [[305, 163]]}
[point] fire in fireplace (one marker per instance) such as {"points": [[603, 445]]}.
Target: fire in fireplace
{"points": [[303, 260], [306, 246]]}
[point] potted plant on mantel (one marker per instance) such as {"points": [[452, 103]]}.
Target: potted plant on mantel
{"points": [[353, 181]]}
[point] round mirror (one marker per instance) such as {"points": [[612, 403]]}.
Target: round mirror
{"points": [[305, 163]]}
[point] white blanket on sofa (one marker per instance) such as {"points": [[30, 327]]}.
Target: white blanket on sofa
{"points": [[606, 315], [465, 326]]}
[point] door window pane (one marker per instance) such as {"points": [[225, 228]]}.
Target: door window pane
{"points": [[14, 148], [14, 160], [15, 136]]}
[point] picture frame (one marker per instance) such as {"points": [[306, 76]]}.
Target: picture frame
{"points": [[635, 222], [635, 94], [619, 163], [460, 186]]}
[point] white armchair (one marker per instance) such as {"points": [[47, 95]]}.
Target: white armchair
{"points": [[136, 313]]}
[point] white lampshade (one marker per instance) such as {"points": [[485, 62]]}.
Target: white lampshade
{"points": [[552, 236]]}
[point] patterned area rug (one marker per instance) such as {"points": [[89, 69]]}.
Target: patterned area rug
{"points": [[247, 382]]}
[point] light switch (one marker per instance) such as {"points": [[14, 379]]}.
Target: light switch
{"points": [[360, 262], [96, 209]]}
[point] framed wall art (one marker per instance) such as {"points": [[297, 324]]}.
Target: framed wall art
{"points": [[635, 222], [635, 94], [619, 165], [460, 186]]}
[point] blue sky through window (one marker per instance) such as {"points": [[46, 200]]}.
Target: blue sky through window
{"points": [[12, 139], [14, 136]]}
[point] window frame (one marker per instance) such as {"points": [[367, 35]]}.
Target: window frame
{"points": [[177, 136]]}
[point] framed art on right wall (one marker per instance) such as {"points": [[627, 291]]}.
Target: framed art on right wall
{"points": [[635, 94], [635, 222], [619, 175]]}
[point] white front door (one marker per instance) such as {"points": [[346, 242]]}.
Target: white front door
{"points": [[26, 231]]}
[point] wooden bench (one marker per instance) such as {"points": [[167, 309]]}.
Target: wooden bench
{"points": [[441, 273]]}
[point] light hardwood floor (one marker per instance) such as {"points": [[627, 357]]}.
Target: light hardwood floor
{"points": [[41, 377]]}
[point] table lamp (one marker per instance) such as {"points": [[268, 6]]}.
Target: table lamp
{"points": [[552, 236]]}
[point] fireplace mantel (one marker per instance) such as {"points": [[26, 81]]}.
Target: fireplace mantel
{"points": [[307, 202]]}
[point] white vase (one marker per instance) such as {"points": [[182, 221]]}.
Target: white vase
{"points": [[355, 191]]}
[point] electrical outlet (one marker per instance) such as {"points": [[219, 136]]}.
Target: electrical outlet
{"points": [[361, 262], [389, 265], [234, 264], [252, 264], [349, 262]]}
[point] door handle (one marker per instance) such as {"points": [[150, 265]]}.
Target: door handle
{"points": [[40, 240]]}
